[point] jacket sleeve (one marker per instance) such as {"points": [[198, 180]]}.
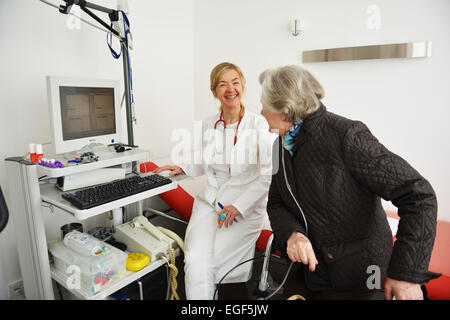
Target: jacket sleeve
{"points": [[393, 179], [282, 221]]}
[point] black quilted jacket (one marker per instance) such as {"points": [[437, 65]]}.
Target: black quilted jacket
{"points": [[338, 173]]}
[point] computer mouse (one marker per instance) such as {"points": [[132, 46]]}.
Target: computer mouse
{"points": [[165, 173]]}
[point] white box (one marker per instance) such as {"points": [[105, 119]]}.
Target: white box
{"points": [[95, 273]]}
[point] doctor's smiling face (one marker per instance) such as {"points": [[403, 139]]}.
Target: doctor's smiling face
{"points": [[229, 90]]}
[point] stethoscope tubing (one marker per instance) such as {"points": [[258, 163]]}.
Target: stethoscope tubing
{"points": [[225, 126]]}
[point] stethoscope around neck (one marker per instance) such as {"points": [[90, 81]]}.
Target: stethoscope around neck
{"points": [[219, 140]]}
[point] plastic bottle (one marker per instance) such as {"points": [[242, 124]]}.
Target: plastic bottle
{"points": [[39, 152], [32, 148], [83, 243]]}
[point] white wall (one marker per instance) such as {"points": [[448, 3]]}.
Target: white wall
{"points": [[163, 71], [403, 101], [36, 42], [178, 42]]}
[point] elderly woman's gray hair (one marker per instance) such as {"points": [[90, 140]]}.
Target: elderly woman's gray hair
{"points": [[291, 90]]}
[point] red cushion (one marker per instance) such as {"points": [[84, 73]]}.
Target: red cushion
{"points": [[262, 240], [439, 289], [178, 199]]}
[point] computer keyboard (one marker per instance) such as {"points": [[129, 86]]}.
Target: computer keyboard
{"points": [[101, 194]]}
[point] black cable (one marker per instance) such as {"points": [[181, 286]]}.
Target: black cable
{"points": [[282, 283], [59, 291], [254, 258], [238, 265], [4, 212]]}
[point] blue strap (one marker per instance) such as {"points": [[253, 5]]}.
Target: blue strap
{"points": [[126, 28]]}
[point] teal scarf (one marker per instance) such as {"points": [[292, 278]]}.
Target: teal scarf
{"points": [[289, 137]]}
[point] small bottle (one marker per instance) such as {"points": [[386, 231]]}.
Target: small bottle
{"points": [[39, 152], [83, 244], [32, 149]]}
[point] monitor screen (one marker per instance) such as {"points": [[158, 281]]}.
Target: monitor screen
{"points": [[83, 112], [86, 112]]}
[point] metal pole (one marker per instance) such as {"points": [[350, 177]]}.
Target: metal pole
{"points": [[126, 71]]}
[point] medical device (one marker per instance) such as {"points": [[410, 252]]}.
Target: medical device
{"points": [[290, 190], [83, 112], [225, 126], [142, 240], [156, 242]]}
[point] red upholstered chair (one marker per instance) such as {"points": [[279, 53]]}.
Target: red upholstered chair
{"points": [[181, 202]]}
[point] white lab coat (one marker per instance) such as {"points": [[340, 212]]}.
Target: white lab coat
{"points": [[211, 252]]}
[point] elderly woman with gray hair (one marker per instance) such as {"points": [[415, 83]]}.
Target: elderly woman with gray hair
{"points": [[325, 200]]}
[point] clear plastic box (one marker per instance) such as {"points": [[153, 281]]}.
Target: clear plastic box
{"points": [[96, 273]]}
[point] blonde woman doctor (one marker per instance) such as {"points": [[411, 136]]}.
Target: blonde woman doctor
{"points": [[236, 159]]}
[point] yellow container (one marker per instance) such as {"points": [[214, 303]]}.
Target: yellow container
{"points": [[137, 261]]}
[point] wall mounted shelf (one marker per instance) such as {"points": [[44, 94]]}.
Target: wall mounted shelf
{"points": [[383, 51]]}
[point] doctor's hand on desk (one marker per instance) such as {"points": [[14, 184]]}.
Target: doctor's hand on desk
{"points": [[174, 170], [231, 213]]}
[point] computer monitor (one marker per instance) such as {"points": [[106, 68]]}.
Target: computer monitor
{"points": [[83, 112]]}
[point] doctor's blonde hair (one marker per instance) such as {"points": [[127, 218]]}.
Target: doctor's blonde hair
{"points": [[218, 71], [292, 90]]}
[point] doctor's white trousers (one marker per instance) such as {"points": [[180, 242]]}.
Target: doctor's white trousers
{"points": [[211, 252]]}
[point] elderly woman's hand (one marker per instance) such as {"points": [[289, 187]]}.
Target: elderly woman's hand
{"points": [[299, 249], [402, 290]]}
